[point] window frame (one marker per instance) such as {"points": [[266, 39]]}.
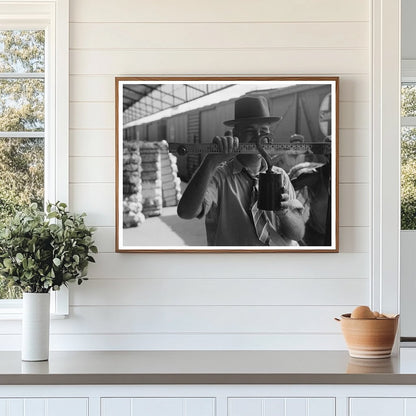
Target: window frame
{"points": [[408, 75], [53, 17], [385, 156]]}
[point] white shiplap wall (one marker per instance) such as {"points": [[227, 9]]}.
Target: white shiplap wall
{"points": [[214, 301]]}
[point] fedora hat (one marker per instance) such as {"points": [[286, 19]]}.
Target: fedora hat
{"points": [[251, 109]]}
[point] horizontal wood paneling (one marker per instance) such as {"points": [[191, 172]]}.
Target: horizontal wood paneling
{"points": [[230, 266], [217, 291], [295, 61], [87, 115], [200, 319], [194, 320], [92, 169], [105, 238], [218, 11], [354, 205], [95, 88], [354, 115], [354, 170], [354, 87], [352, 239], [100, 88], [96, 199], [218, 35], [354, 142], [95, 143], [185, 341]]}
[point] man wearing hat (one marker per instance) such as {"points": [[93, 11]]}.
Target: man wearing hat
{"points": [[222, 189], [292, 157]]}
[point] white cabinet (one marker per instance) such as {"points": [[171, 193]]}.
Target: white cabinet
{"points": [[44, 407], [273, 406], [157, 406], [391, 406], [208, 400]]}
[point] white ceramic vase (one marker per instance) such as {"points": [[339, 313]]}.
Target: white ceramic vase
{"points": [[35, 326]]}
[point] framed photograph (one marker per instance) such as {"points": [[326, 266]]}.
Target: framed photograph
{"points": [[227, 164]]}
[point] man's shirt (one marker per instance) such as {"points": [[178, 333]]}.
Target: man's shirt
{"points": [[227, 207]]}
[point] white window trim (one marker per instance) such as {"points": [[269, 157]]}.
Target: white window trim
{"points": [[385, 113], [408, 75], [53, 16], [409, 70]]}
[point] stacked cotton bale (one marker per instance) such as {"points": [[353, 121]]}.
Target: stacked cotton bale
{"points": [[151, 178], [171, 184], [132, 207]]}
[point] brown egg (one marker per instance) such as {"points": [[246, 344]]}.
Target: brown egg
{"points": [[376, 314], [362, 312]]}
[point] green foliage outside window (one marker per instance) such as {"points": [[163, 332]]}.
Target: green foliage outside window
{"points": [[21, 110], [21, 174], [408, 160], [408, 101], [408, 179]]}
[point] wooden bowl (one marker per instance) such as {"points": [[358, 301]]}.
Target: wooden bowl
{"points": [[369, 338]]}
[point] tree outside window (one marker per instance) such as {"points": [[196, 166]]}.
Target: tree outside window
{"points": [[22, 124]]}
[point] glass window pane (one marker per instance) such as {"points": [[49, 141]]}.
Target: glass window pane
{"points": [[408, 105], [22, 51], [408, 178], [21, 173], [21, 183], [22, 109], [22, 105]]}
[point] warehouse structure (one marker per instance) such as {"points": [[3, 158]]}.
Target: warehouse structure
{"points": [[155, 115]]}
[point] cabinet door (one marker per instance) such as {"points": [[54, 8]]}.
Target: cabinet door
{"points": [[382, 406], [377, 407], [272, 406], [44, 407], [155, 406]]}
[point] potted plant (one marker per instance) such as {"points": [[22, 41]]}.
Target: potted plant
{"points": [[39, 252]]}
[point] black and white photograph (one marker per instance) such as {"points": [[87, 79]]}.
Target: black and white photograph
{"points": [[227, 164]]}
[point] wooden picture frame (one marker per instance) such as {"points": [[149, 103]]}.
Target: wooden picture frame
{"points": [[164, 131]]}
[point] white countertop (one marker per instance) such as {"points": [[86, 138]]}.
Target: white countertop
{"points": [[208, 367]]}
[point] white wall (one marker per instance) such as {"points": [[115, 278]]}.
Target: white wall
{"points": [[214, 301]]}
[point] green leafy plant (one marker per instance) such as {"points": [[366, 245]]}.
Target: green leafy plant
{"points": [[42, 251]]}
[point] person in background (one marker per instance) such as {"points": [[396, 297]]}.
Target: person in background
{"points": [[223, 188], [286, 160], [312, 182]]}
